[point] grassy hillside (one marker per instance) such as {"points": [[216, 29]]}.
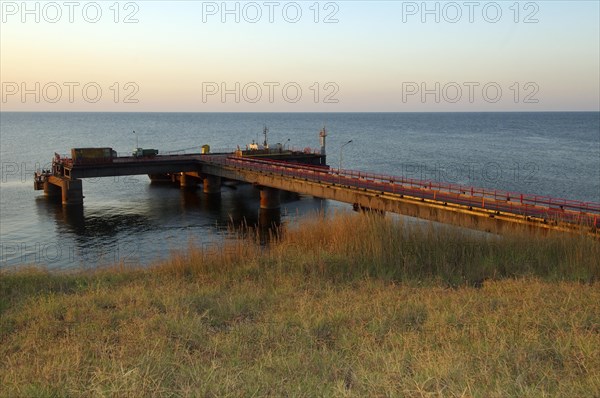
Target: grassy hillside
{"points": [[355, 306]]}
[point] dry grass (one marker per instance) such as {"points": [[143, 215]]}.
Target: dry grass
{"points": [[356, 306]]}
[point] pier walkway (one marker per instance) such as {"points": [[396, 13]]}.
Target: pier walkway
{"points": [[306, 173]]}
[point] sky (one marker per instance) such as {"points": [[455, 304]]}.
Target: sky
{"points": [[278, 56]]}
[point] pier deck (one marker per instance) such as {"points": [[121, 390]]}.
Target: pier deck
{"points": [[485, 209]]}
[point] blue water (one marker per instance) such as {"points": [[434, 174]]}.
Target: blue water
{"points": [[128, 220]]}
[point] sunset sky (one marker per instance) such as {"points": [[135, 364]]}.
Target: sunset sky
{"points": [[349, 56]]}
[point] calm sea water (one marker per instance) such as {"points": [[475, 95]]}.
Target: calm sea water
{"points": [[126, 219]]}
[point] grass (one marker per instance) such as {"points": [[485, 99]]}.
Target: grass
{"points": [[356, 306]]}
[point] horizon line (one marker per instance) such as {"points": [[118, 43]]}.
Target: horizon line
{"points": [[300, 112]]}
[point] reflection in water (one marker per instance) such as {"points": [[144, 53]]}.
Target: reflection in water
{"points": [[269, 225], [84, 223], [72, 217], [237, 208], [269, 218], [158, 219], [197, 200], [66, 219]]}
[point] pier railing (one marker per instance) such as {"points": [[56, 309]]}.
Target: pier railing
{"points": [[540, 206]]}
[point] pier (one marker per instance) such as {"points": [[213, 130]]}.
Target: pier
{"points": [[305, 172]]}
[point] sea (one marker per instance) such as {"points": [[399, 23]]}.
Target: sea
{"points": [[128, 221]]}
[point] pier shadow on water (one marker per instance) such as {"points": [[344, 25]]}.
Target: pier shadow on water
{"points": [[85, 223], [238, 210], [157, 220]]}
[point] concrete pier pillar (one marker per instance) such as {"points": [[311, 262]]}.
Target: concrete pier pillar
{"points": [[51, 190], [187, 182], [72, 192], [269, 198], [212, 184]]}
